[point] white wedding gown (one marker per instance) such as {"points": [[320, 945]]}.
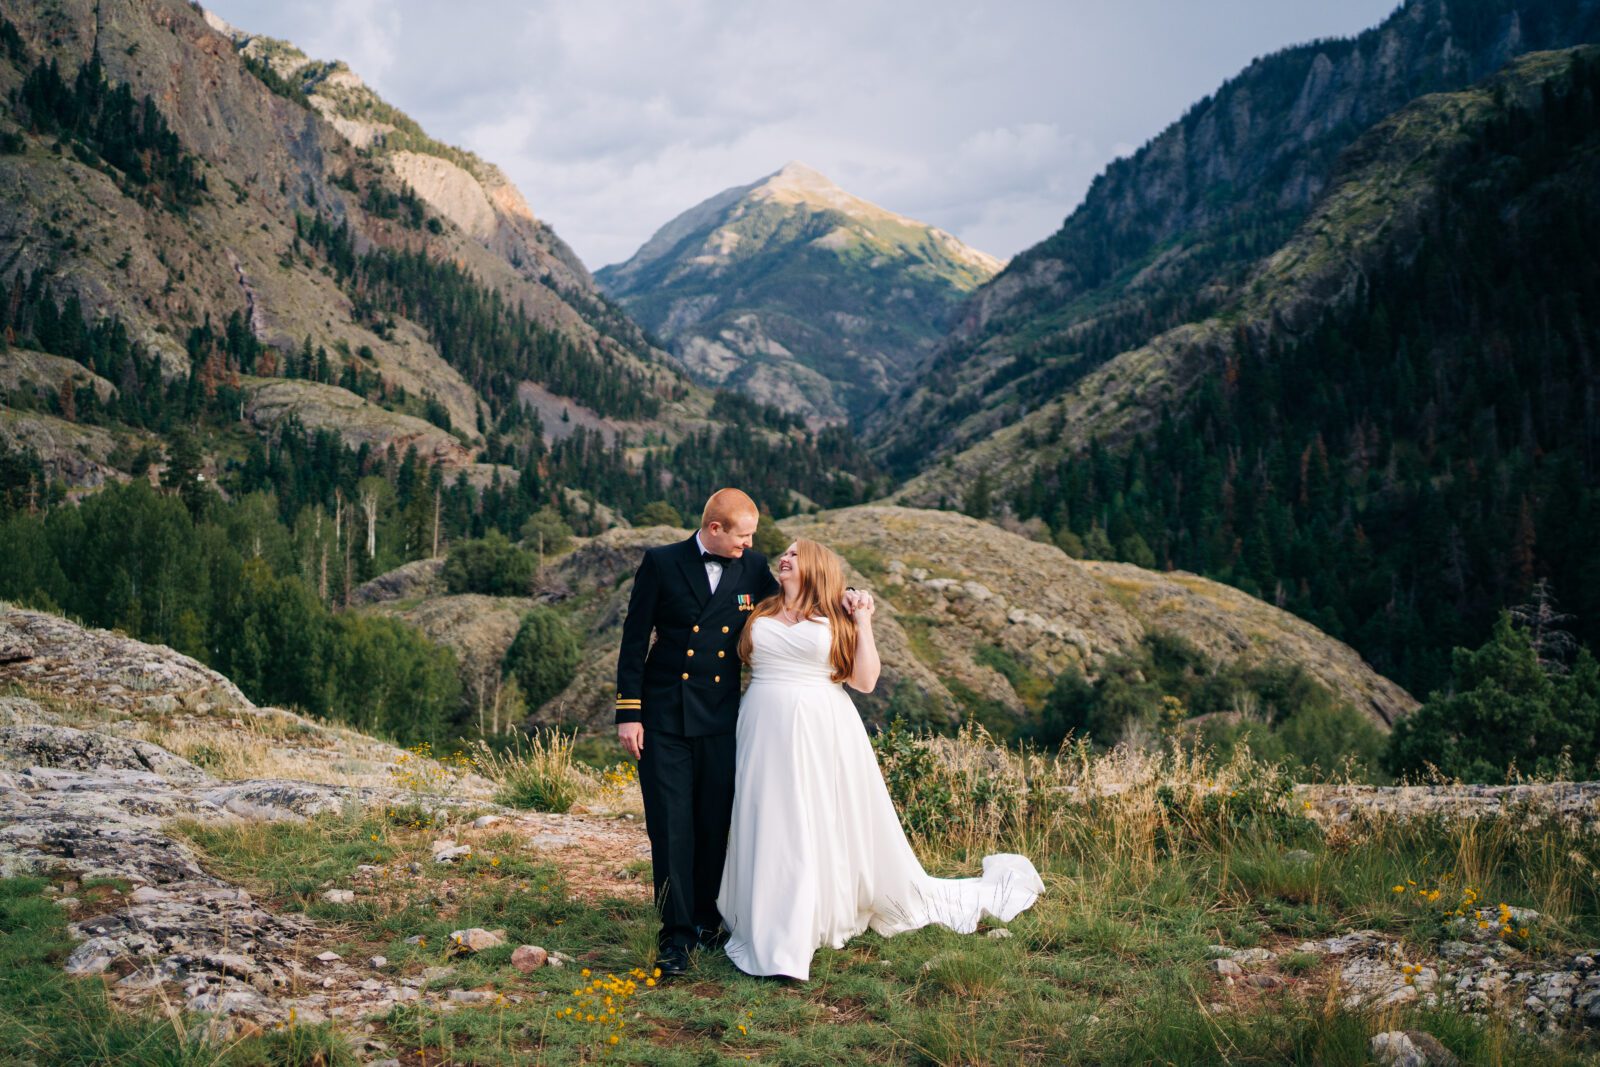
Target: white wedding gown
{"points": [[815, 851]]}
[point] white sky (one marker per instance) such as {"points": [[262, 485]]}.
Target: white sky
{"points": [[614, 116]]}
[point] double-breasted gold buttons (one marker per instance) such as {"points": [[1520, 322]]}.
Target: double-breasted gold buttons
{"points": [[720, 654], [691, 652], [697, 629], [686, 676], [724, 629], [717, 678]]}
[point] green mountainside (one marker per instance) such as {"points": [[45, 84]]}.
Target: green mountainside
{"points": [[797, 293], [1172, 234], [1391, 431]]}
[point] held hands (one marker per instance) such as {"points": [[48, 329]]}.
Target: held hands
{"points": [[631, 734], [859, 604]]}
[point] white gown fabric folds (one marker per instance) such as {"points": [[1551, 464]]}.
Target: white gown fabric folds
{"points": [[815, 851]]}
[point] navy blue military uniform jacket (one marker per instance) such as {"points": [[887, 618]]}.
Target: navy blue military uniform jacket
{"points": [[687, 682]]}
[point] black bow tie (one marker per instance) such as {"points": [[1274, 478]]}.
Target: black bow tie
{"points": [[712, 557]]}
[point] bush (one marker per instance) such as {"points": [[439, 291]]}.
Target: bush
{"points": [[493, 566], [769, 540], [1506, 710], [543, 657], [658, 513], [539, 774], [547, 532]]}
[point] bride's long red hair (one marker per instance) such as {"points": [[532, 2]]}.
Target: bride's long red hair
{"points": [[821, 594]]}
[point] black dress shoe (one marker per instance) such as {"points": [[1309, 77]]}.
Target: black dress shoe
{"points": [[673, 961], [710, 937]]}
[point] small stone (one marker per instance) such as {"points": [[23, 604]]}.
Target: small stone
{"points": [[1534, 1005], [1393, 1048], [1225, 967], [450, 855], [328, 957], [1248, 956], [1266, 981], [999, 933], [1434, 1054], [476, 939], [149, 895], [485, 820], [416, 939], [68, 902], [529, 958], [1219, 952], [340, 896], [470, 996], [93, 956], [378, 963]]}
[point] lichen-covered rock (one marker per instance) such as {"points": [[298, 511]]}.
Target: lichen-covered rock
{"points": [[63, 746]]}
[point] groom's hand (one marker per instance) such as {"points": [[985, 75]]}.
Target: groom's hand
{"points": [[631, 734]]}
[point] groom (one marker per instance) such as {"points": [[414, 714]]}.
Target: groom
{"points": [[678, 705]]}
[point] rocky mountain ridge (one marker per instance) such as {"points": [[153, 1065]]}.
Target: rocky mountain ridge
{"points": [[274, 154], [1371, 214], [1171, 236], [796, 292]]}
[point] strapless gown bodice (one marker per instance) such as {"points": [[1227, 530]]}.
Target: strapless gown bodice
{"points": [[790, 655]]}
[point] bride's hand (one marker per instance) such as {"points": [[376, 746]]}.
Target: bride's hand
{"points": [[861, 606]]}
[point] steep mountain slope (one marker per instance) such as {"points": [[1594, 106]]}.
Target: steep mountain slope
{"points": [[1170, 235], [1392, 430], [267, 166], [798, 293]]}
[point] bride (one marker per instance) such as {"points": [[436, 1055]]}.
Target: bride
{"points": [[815, 853]]}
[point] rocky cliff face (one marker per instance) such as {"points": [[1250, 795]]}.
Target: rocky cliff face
{"points": [[798, 293], [1371, 214], [1171, 236], [315, 143]]}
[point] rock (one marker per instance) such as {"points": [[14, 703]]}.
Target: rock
{"points": [[528, 958], [452, 854], [1246, 957], [328, 957], [416, 939], [485, 820], [149, 895], [1393, 1048], [476, 939], [999, 933], [435, 974], [1219, 952], [1226, 968], [81, 750], [339, 896], [1266, 981], [377, 963], [14, 647], [94, 956], [471, 996], [551, 841]]}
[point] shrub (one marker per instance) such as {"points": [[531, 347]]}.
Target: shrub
{"points": [[493, 566], [543, 657], [658, 513], [539, 774], [547, 532], [1505, 710]]}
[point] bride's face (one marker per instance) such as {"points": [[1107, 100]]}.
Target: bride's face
{"points": [[789, 569]]}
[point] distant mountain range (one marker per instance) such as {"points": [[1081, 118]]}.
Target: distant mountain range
{"points": [[797, 293]]}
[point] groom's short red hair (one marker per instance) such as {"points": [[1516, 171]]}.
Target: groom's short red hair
{"points": [[726, 506]]}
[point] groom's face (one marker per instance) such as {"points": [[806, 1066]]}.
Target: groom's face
{"points": [[730, 540]]}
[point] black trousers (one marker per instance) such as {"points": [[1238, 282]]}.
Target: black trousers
{"points": [[687, 784]]}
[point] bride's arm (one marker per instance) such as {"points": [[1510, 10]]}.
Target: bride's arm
{"points": [[867, 665]]}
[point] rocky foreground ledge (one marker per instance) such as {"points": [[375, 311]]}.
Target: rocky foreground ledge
{"points": [[106, 742]]}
